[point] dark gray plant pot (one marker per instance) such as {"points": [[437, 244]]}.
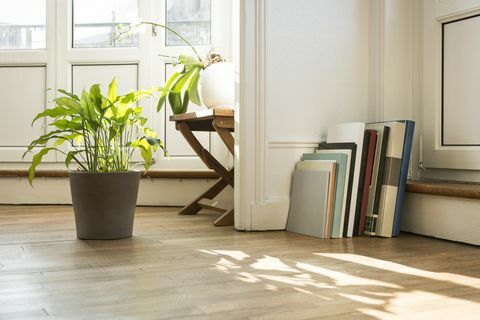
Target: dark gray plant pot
{"points": [[104, 203]]}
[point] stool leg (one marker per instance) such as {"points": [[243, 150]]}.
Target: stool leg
{"points": [[226, 219], [193, 207]]}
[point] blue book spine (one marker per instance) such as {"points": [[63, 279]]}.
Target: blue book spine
{"points": [[407, 149]]}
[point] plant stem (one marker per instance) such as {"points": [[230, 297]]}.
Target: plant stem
{"points": [[154, 24]]}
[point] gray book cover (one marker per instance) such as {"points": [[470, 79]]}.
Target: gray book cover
{"points": [[308, 203]]}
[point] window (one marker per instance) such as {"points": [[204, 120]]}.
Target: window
{"points": [[191, 19], [460, 76], [94, 23], [22, 29]]}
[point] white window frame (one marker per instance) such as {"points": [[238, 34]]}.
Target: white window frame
{"points": [[432, 153], [59, 57]]}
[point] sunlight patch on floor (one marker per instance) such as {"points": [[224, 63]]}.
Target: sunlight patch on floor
{"points": [[272, 263], [366, 295], [345, 279], [419, 304], [403, 269]]}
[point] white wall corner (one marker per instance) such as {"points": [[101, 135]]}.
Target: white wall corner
{"points": [[271, 214]]}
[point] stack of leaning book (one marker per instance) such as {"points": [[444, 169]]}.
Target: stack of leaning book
{"points": [[354, 184]]}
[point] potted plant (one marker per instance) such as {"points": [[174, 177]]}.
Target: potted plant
{"points": [[203, 81], [102, 134]]}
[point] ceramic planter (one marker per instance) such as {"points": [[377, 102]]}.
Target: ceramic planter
{"points": [[104, 203], [217, 84]]}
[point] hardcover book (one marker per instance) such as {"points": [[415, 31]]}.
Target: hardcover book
{"points": [[391, 179], [308, 204], [330, 167], [350, 132], [367, 183], [402, 185], [343, 165], [349, 204], [375, 188]]}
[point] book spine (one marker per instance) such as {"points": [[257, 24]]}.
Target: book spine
{"points": [[371, 221], [361, 182], [407, 148], [368, 179]]}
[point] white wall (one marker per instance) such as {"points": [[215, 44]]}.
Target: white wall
{"points": [[320, 63], [316, 73]]}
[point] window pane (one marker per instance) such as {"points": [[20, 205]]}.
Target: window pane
{"points": [[20, 28], [191, 19], [95, 21]]}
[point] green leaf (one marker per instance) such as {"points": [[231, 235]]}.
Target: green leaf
{"points": [[179, 85], [64, 124], [68, 102], [71, 95], [96, 97], [43, 139], [89, 110], [153, 141], [186, 100], [166, 89], [175, 100], [128, 98], [189, 61], [54, 113], [71, 156], [112, 90], [193, 89], [37, 158]]}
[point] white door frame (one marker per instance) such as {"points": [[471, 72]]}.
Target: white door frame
{"points": [[253, 210]]}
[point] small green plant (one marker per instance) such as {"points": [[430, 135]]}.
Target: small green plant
{"points": [[182, 86], [102, 132]]}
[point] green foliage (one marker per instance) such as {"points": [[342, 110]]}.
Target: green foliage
{"points": [[103, 132], [182, 87]]}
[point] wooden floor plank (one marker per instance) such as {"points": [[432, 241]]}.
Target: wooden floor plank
{"points": [[182, 267]]}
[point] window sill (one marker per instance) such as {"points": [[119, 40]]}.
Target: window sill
{"points": [[445, 188], [153, 174]]}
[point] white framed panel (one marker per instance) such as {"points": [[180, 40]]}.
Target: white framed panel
{"points": [[460, 79], [126, 74], [23, 91], [432, 153]]}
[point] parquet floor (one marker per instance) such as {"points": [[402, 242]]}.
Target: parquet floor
{"points": [[181, 267]]}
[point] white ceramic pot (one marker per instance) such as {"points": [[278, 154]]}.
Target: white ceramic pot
{"points": [[217, 83]]}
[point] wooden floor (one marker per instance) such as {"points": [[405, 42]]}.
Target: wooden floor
{"points": [[181, 267]]}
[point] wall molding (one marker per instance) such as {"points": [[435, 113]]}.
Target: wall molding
{"points": [[302, 143], [250, 143]]}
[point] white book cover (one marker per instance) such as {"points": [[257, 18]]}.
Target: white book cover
{"points": [[350, 132]]}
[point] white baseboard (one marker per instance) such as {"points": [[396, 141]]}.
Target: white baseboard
{"points": [[154, 192], [449, 218], [270, 215]]}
